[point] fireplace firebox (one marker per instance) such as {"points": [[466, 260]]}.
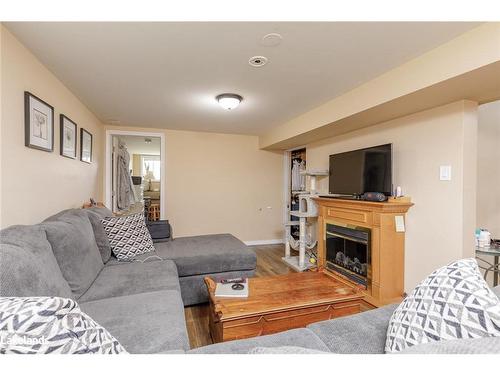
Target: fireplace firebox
{"points": [[348, 252]]}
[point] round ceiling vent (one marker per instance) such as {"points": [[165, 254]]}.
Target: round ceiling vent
{"points": [[271, 40], [257, 61]]}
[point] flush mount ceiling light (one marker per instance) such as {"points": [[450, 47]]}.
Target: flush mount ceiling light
{"points": [[229, 101], [147, 140]]}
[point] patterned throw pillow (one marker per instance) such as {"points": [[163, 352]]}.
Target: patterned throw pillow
{"points": [[43, 325], [454, 302], [128, 235]]}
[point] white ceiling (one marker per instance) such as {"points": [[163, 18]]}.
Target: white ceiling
{"points": [[166, 75], [137, 145]]}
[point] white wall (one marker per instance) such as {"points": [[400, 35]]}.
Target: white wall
{"points": [[440, 226]]}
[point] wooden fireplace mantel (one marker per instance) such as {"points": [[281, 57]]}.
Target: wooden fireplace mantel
{"points": [[387, 245]]}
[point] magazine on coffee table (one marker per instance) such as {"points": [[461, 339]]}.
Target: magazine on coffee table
{"points": [[235, 288]]}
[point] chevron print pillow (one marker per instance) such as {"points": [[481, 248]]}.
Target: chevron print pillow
{"points": [[43, 325], [454, 302], [128, 235]]}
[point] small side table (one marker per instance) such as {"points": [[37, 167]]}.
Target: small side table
{"points": [[488, 266]]}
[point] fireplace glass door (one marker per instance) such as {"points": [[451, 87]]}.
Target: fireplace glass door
{"points": [[348, 252]]}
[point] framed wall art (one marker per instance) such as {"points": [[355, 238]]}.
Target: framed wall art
{"points": [[68, 136], [38, 123], [85, 146]]}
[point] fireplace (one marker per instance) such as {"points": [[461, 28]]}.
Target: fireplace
{"points": [[348, 252]]}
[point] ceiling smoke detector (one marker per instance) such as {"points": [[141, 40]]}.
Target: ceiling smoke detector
{"points": [[257, 61], [271, 40]]}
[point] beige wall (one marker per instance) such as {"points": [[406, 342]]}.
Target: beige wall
{"points": [[488, 168], [436, 231], [221, 183], [36, 184]]}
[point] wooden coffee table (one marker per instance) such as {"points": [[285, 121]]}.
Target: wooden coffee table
{"points": [[279, 303]]}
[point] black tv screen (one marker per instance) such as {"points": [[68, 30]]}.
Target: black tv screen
{"points": [[361, 171]]}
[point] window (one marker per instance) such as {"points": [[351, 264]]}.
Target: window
{"points": [[151, 167]]}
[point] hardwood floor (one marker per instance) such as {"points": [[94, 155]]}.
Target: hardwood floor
{"points": [[269, 263]]}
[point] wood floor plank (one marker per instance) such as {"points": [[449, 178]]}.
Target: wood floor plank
{"points": [[269, 263]]}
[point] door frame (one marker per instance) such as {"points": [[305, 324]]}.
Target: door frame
{"points": [[287, 176], [108, 173]]}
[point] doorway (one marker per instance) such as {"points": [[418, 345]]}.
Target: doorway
{"points": [[135, 173]]}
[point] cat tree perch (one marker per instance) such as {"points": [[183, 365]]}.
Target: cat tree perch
{"points": [[307, 209]]}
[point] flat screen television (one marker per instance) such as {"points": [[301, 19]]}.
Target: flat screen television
{"points": [[360, 171]]}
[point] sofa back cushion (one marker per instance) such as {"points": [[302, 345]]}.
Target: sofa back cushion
{"points": [[96, 214], [73, 243], [27, 264]]}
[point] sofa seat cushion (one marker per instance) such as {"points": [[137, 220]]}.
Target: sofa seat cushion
{"points": [[207, 254], [143, 323], [363, 333], [301, 337], [28, 266], [132, 278], [72, 239], [194, 290]]}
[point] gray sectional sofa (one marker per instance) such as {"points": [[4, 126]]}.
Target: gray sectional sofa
{"points": [[141, 302]]}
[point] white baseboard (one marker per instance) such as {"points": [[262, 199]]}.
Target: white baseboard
{"points": [[263, 242]]}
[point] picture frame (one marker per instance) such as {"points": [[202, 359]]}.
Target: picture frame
{"points": [[38, 123], [85, 146], [68, 136]]}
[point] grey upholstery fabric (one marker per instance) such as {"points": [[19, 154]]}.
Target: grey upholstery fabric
{"points": [[132, 278], [101, 211], [95, 215], [23, 275], [72, 239], [27, 265], [484, 345], [363, 333], [285, 350], [296, 337], [496, 290], [194, 290], [208, 254], [143, 323]]}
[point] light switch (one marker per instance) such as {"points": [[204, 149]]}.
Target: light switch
{"points": [[400, 223], [445, 173]]}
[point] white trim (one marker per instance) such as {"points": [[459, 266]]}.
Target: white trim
{"points": [[107, 172], [264, 242]]}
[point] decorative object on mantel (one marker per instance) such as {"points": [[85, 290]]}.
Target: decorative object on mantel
{"points": [[305, 244], [38, 123], [67, 137], [85, 146]]}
